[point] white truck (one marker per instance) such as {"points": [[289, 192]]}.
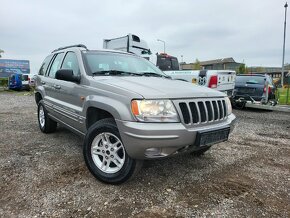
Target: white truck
{"points": [[221, 80]]}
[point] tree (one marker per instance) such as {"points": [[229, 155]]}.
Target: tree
{"points": [[242, 69], [196, 64], [1, 51], [260, 69]]}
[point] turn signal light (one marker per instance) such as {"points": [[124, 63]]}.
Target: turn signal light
{"points": [[134, 106]]}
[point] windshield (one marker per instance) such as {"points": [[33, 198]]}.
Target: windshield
{"points": [[251, 79], [101, 62]]}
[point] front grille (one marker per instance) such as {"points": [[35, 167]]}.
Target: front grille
{"points": [[202, 111]]}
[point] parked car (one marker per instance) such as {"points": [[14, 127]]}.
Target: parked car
{"points": [[26, 82], [254, 87], [19, 81], [15, 81], [31, 79], [126, 109]]}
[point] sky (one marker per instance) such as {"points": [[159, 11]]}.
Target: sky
{"points": [[250, 31]]}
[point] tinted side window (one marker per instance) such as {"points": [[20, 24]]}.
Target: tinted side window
{"points": [[55, 65], [44, 65], [163, 63], [175, 65], [71, 62], [24, 77]]}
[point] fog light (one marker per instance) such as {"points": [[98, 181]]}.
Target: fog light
{"points": [[151, 152]]}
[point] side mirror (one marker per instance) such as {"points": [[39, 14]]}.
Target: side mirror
{"points": [[67, 75]]}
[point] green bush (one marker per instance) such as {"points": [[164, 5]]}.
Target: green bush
{"points": [[4, 82], [283, 95]]}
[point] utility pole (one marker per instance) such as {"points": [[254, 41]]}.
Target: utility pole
{"points": [[283, 57], [159, 40]]}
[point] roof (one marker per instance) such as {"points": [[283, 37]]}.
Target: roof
{"points": [[218, 61], [84, 48]]}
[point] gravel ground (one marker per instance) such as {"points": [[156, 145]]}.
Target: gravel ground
{"points": [[45, 175]]}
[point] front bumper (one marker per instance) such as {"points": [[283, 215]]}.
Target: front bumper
{"points": [[156, 140]]}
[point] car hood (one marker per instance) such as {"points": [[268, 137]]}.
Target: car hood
{"points": [[154, 87]]}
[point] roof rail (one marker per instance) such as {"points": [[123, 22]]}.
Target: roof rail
{"points": [[70, 46]]}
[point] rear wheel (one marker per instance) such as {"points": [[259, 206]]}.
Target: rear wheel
{"points": [[46, 124], [105, 154]]}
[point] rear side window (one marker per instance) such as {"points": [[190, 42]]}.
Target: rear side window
{"points": [[270, 81], [55, 66], [251, 79], [24, 77], [175, 65], [12, 78], [44, 65], [163, 63]]}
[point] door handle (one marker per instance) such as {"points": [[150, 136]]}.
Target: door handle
{"points": [[56, 86], [43, 83]]}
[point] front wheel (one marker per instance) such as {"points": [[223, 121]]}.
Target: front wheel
{"points": [[105, 154]]}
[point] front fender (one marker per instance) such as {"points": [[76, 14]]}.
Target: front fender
{"points": [[119, 110]]}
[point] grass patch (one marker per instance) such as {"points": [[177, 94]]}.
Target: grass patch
{"points": [[283, 96]]}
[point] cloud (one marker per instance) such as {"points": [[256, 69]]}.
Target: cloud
{"points": [[245, 30]]}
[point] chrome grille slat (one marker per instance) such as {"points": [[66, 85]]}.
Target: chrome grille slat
{"points": [[210, 102], [222, 110], [225, 107], [202, 111], [198, 112], [218, 108], [206, 112], [190, 114]]}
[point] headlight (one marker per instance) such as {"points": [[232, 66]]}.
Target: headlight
{"points": [[154, 111], [229, 105]]}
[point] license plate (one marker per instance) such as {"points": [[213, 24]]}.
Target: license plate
{"points": [[247, 90], [212, 137]]}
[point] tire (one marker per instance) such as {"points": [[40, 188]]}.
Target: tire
{"points": [[46, 124], [200, 152], [105, 154]]}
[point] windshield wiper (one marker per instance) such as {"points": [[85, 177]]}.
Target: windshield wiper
{"points": [[113, 73], [153, 74], [125, 73]]}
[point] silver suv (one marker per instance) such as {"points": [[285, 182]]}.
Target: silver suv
{"points": [[126, 109]]}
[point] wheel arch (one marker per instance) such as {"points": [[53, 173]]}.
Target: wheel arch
{"points": [[38, 97], [94, 114], [99, 107]]}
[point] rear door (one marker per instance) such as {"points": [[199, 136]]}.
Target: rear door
{"points": [[48, 82], [12, 81], [25, 80]]}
